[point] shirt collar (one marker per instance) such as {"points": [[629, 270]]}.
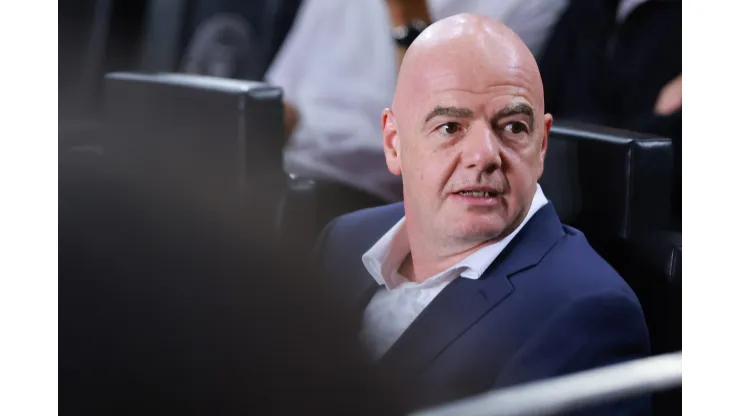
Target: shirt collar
{"points": [[384, 258]]}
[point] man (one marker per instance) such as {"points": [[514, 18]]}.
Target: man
{"points": [[472, 283], [338, 69]]}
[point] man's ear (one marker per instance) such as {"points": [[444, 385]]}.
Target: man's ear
{"points": [[545, 138], [391, 142]]}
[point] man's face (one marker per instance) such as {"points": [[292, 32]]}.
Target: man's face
{"points": [[471, 149]]}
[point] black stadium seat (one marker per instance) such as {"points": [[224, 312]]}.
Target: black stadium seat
{"points": [[231, 130], [202, 134], [609, 183]]}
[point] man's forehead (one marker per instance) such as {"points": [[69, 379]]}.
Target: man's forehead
{"points": [[456, 61], [461, 89]]}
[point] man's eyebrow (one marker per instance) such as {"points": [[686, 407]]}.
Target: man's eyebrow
{"points": [[449, 112], [512, 110]]}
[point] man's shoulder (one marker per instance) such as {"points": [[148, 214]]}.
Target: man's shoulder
{"points": [[376, 220], [577, 269], [359, 230]]}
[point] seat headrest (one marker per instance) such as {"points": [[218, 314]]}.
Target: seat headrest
{"points": [[229, 132], [609, 182]]}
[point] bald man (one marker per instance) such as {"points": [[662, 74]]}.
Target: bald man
{"points": [[473, 283]]}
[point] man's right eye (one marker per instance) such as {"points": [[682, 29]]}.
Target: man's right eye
{"points": [[449, 129]]}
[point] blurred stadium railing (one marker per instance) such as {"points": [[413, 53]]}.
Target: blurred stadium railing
{"points": [[566, 394]]}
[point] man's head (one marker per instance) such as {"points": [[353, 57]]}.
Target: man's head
{"points": [[467, 130]]}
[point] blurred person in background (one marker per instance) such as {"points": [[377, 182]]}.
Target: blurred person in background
{"points": [[472, 283], [617, 63], [338, 69]]}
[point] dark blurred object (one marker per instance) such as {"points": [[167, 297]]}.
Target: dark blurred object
{"points": [[598, 70], [170, 303], [235, 39], [227, 133], [310, 204], [161, 43], [95, 37], [98, 37]]}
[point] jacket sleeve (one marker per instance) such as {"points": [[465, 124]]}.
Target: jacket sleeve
{"points": [[588, 333]]}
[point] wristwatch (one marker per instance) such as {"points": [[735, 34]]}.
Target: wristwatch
{"points": [[404, 35]]}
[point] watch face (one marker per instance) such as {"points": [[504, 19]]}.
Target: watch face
{"points": [[419, 25], [404, 35], [400, 32]]}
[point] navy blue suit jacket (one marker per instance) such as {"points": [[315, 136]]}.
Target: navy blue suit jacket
{"points": [[548, 305]]}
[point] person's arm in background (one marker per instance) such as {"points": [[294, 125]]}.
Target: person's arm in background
{"points": [[665, 119], [669, 100], [290, 118], [337, 71], [322, 50]]}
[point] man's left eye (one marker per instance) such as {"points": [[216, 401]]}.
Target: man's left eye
{"points": [[516, 127], [449, 129]]}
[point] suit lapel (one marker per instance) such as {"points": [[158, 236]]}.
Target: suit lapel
{"points": [[349, 279], [464, 301]]}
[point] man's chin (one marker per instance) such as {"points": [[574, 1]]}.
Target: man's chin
{"points": [[479, 231]]}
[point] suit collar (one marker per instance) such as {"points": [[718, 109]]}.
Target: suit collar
{"points": [[465, 301], [384, 258]]}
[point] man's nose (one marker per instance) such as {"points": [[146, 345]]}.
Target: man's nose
{"points": [[481, 149]]}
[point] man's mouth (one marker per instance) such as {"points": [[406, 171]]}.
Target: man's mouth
{"points": [[478, 192]]}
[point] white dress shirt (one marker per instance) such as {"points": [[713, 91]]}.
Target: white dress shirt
{"points": [[398, 302], [338, 67]]}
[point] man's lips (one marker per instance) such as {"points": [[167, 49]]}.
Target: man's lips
{"points": [[478, 191]]}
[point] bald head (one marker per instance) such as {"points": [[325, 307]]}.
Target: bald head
{"points": [[466, 44]]}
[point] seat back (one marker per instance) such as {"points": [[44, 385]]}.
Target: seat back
{"points": [[224, 133], [610, 183]]}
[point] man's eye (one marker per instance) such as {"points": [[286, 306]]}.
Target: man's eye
{"points": [[449, 129], [516, 127]]}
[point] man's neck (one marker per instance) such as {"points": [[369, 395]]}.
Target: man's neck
{"points": [[430, 254], [424, 262]]}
